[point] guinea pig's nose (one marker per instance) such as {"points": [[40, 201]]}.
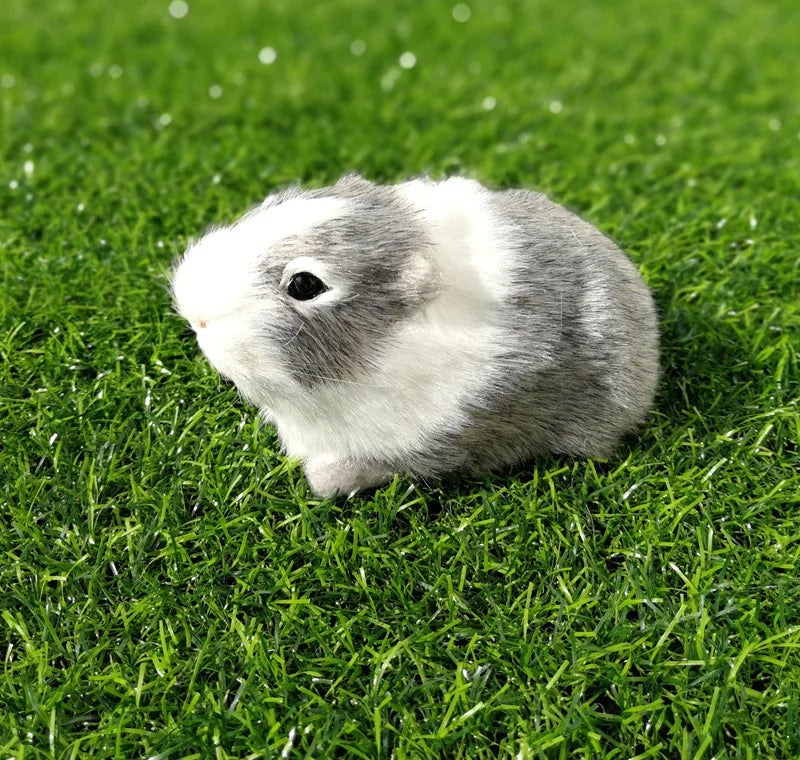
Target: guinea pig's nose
{"points": [[202, 323]]}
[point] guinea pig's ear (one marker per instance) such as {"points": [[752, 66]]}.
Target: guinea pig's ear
{"points": [[421, 278], [305, 279]]}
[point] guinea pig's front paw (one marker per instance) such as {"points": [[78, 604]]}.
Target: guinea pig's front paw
{"points": [[328, 474]]}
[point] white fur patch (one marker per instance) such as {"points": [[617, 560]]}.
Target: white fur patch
{"points": [[467, 236]]}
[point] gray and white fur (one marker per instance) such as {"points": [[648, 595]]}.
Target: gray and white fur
{"points": [[446, 328]]}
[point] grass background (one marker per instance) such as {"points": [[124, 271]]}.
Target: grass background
{"points": [[168, 586]]}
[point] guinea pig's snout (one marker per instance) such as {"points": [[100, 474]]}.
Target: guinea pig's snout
{"points": [[201, 324]]}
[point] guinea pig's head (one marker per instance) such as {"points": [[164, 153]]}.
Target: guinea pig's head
{"points": [[306, 288]]}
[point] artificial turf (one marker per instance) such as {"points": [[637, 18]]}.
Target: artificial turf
{"points": [[168, 586]]}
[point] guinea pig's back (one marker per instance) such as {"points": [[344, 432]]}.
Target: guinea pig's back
{"points": [[582, 355]]}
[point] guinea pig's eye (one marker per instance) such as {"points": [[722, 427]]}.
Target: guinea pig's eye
{"points": [[304, 286]]}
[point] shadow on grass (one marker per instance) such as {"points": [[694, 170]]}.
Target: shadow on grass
{"points": [[706, 367]]}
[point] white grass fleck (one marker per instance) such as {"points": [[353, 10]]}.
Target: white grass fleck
{"points": [[287, 748], [215, 91], [556, 106], [714, 468], [178, 9], [775, 124], [13, 185], [629, 139], [472, 710], [8, 81], [267, 55], [407, 60], [238, 695], [164, 120], [28, 167], [389, 79], [461, 13], [115, 71], [753, 222], [53, 438], [630, 491], [488, 103], [661, 140], [358, 47], [721, 223]]}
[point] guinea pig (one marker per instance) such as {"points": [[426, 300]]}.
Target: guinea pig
{"points": [[423, 328]]}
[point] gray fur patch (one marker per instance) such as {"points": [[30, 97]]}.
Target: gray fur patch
{"points": [[372, 246]]}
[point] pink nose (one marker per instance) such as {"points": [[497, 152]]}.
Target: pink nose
{"points": [[202, 323]]}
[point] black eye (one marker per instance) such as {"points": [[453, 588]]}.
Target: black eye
{"points": [[304, 286]]}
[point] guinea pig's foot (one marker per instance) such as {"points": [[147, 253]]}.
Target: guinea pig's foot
{"points": [[328, 474]]}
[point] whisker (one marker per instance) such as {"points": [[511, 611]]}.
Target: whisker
{"points": [[299, 330]]}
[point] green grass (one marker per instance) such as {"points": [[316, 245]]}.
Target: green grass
{"points": [[168, 586]]}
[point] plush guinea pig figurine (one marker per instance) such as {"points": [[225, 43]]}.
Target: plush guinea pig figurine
{"points": [[424, 327]]}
